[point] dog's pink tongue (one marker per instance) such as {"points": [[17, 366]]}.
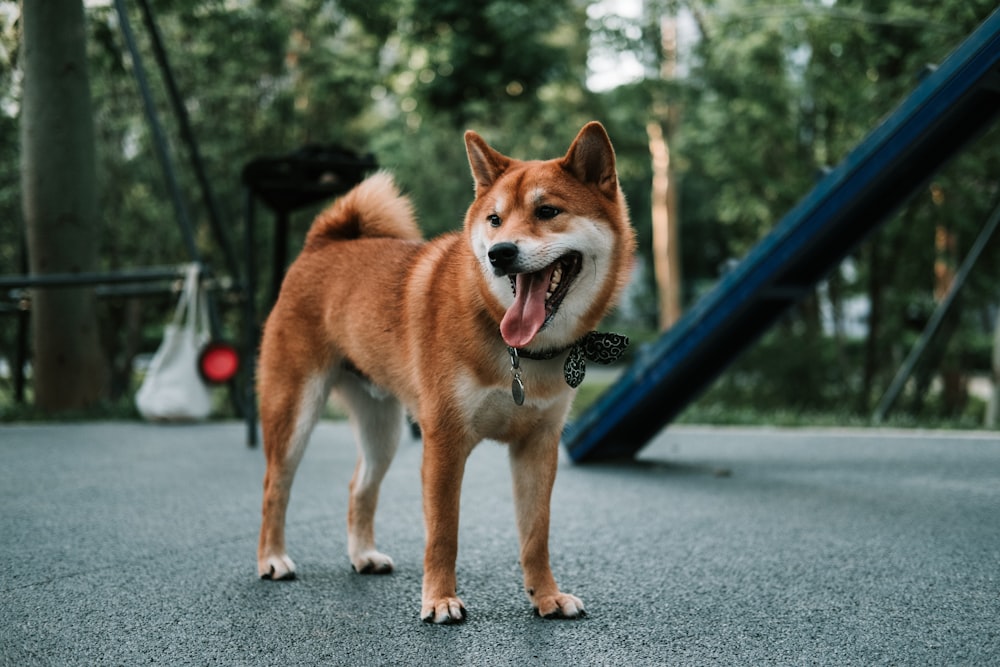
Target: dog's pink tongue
{"points": [[527, 314]]}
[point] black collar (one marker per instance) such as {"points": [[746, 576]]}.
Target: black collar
{"points": [[544, 355], [604, 348]]}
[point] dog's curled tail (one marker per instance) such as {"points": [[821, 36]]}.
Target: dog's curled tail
{"points": [[374, 208]]}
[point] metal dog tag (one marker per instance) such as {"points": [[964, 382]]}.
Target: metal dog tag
{"points": [[516, 386], [517, 389]]}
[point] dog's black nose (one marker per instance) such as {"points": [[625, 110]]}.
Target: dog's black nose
{"points": [[502, 256]]}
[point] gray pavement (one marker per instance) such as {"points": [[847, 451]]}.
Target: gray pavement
{"points": [[126, 543]]}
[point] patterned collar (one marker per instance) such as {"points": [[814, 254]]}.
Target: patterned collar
{"points": [[603, 348]]}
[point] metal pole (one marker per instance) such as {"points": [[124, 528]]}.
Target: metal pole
{"points": [[159, 138], [160, 143], [187, 135], [145, 275], [23, 326], [906, 370], [250, 321], [279, 255]]}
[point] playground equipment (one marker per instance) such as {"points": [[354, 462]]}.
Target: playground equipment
{"points": [[143, 281], [284, 184], [954, 103]]}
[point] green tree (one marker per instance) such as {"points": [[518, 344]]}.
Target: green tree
{"points": [[512, 70], [864, 59], [264, 78], [770, 94]]}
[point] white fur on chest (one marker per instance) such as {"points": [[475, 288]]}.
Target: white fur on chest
{"points": [[491, 410]]}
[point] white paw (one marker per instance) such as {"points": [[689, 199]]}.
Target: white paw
{"points": [[443, 611], [560, 605], [276, 567], [371, 562]]}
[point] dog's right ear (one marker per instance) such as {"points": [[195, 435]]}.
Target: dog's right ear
{"points": [[591, 159], [487, 164]]}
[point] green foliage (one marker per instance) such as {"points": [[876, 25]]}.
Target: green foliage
{"points": [[769, 95], [473, 57], [776, 94]]}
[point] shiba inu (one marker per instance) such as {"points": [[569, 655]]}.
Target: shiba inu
{"points": [[479, 334]]}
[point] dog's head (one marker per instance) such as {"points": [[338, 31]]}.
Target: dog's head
{"points": [[552, 238]]}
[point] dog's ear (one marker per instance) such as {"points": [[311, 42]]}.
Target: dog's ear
{"points": [[591, 158], [487, 164]]}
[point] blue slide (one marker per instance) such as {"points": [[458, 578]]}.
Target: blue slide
{"points": [[951, 107]]}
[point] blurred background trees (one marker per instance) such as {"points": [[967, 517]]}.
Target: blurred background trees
{"points": [[756, 100]]}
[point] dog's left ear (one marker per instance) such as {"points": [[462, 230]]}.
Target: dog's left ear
{"points": [[591, 159], [487, 164]]}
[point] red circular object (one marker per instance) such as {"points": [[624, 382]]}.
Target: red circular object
{"points": [[219, 362]]}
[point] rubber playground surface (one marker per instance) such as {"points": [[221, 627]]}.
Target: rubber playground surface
{"points": [[127, 543]]}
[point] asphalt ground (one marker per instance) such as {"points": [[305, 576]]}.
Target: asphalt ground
{"points": [[128, 543]]}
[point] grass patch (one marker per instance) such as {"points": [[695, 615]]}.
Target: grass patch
{"points": [[122, 409], [711, 410]]}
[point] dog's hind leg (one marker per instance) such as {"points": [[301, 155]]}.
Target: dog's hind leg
{"points": [[377, 420], [287, 419]]}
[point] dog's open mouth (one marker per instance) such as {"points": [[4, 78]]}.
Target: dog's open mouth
{"points": [[537, 297]]}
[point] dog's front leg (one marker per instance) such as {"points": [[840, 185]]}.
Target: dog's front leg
{"points": [[441, 473], [533, 466]]}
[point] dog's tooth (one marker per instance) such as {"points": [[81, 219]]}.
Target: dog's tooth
{"points": [[554, 282]]}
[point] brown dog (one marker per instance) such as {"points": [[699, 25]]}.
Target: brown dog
{"points": [[477, 334]]}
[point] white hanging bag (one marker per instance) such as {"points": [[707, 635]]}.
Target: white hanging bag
{"points": [[173, 389]]}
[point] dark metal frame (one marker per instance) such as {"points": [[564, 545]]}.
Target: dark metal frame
{"points": [[138, 282], [937, 318]]}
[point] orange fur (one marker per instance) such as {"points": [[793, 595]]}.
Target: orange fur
{"points": [[374, 209], [367, 304]]}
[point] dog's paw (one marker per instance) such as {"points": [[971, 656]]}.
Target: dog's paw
{"points": [[371, 562], [560, 605], [443, 611], [276, 567]]}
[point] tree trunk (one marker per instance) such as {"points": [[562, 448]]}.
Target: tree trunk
{"points": [[665, 221], [60, 203], [954, 384], [666, 251]]}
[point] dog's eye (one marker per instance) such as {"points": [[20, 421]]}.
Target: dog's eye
{"points": [[493, 219], [546, 212]]}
